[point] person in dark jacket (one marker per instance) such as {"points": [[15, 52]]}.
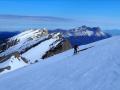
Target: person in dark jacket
{"points": [[76, 49]]}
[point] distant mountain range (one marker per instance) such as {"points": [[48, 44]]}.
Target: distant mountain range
{"points": [[83, 35]]}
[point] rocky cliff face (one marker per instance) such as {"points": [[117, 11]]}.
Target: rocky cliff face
{"points": [[61, 47]]}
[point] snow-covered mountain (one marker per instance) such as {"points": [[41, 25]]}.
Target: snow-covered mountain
{"points": [[23, 40], [95, 67], [83, 31], [83, 35], [33, 45]]}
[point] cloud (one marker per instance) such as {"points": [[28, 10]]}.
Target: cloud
{"points": [[17, 22], [36, 18]]}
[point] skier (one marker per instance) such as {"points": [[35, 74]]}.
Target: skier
{"points": [[76, 49]]}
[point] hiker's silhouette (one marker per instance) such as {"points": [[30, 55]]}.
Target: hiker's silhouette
{"points": [[76, 49]]}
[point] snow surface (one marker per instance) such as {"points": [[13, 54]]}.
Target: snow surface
{"points": [[14, 63], [97, 68], [28, 33]]}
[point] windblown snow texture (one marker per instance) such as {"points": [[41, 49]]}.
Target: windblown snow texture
{"points": [[97, 68]]}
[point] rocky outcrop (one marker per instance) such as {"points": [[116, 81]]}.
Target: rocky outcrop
{"points": [[16, 55], [5, 68], [61, 47], [7, 44]]}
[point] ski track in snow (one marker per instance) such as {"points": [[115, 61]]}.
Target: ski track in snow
{"points": [[97, 68]]}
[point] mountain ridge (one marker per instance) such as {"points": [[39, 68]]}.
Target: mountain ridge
{"points": [[34, 45]]}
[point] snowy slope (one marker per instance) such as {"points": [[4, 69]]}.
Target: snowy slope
{"points": [[25, 40], [96, 68], [14, 63], [33, 55], [37, 52]]}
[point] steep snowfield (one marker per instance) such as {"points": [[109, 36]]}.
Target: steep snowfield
{"points": [[14, 63], [96, 68], [37, 52], [33, 55]]}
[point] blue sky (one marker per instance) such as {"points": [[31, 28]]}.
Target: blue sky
{"points": [[103, 13]]}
